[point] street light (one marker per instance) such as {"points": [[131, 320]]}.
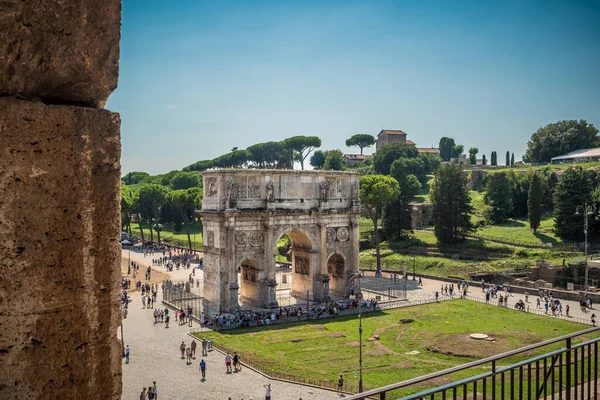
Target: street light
{"points": [[356, 279], [586, 210]]}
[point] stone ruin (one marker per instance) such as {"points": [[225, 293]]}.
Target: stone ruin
{"points": [[244, 214], [59, 207]]}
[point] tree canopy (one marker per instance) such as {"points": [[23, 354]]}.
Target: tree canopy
{"points": [[498, 197], [361, 140], [133, 178], [185, 180], [560, 138], [383, 159], [473, 155], [317, 160], [376, 191], [573, 190], [334, 160], [534, 202], [302, 146], [446, 146], [451, 204]]}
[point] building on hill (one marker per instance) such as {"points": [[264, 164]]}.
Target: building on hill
{"points": [[353, 159], [582, 155], [385, 137], [428, 150], [390, 136]]}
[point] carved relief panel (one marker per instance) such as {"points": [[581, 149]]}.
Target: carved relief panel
{"points": [[211, 187], [302, 265]]}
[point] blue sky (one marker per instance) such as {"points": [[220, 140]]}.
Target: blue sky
{"points": [[198, 78]]}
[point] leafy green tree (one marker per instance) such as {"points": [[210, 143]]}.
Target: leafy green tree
{"points": [[185, 201], [507, 158], [397, 215], [457, 150], [409, 166], [234, 159], [534, 202], [317, 160], [572, 190], [560, 138], [519, 187], [494, 158], [334, 161], [446, 148], [361, 140], [498, 197], [483, 160], [185, 180], [133, 178], [267, 155], [376, 191], [127, 204], [302, 146], [431, 162], [512, 159], [451, 204], [473, 155], [201, 165], [383, 159], [152, 197]]}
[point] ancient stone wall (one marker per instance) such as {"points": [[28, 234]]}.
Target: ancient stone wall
{"points": [[59, 200]]}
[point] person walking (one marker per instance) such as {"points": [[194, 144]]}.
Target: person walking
{"points": [[203, 369], [236, 362], [228, 363], [188, 355], [127, 352], [340, 384], [267, 391], [154, 390], [193, 349], [204, 346], [182, 349], [143, 394], [593, 318], [567, 310]]}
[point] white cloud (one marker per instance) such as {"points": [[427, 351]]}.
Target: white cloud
{"points": [[171, 106]]}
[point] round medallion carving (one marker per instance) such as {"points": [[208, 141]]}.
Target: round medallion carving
{"points": [[255, 239], [330, 235], [342, 234], [240, 239]]}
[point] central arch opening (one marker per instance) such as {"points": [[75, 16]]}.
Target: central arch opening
{"points": [[294, 268]]}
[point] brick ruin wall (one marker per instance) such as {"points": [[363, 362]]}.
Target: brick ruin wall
{"points": [[59, 200]]}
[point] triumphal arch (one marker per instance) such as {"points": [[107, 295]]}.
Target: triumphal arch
{"points": [[246, 212]]}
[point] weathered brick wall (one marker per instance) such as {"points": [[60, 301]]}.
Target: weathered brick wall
{"points": [[59, 200]]}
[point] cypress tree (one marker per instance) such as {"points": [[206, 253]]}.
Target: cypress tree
{"points": [[512, 159], [534, 202], [507, 158]]}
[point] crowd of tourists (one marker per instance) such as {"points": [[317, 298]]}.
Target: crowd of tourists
{"points": [[286, 314]]}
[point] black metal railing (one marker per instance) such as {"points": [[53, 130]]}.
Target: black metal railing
{"points": [[570, 372]]}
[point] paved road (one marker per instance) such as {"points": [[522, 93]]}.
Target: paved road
{"points": [[155, 357]]}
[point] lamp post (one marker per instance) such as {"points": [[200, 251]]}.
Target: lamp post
{"points": [[586, 210], [356, 279]]}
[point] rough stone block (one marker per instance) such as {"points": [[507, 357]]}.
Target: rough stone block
{"points": [[59, 252], [58, 51]]}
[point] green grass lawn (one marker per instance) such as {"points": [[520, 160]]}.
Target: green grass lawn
{"points": [[423, 195], [518, 232], [324, 349], [168, 235]]}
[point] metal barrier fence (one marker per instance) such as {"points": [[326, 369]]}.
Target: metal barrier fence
{"points": [[570, 372], [176, 296]]}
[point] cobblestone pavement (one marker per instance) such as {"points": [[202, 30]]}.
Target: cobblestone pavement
{"points": [[155, 357]]}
